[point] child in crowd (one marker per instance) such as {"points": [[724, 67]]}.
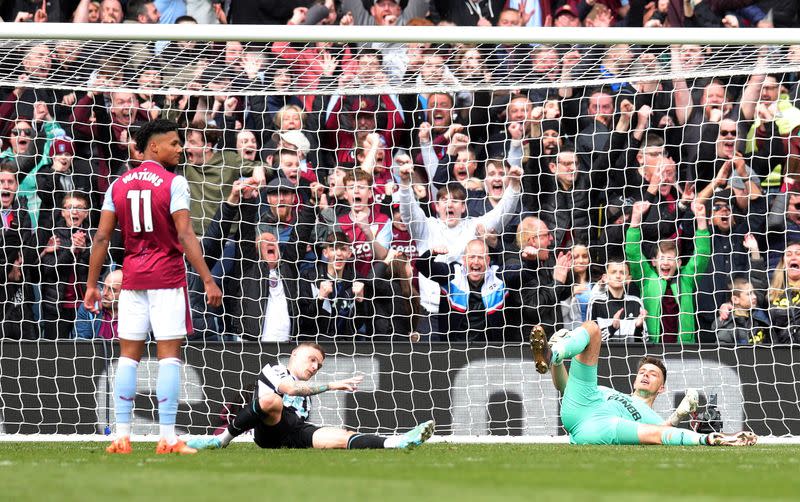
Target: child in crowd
{"points": [[744, 324], [620, 315], [666, 282]]}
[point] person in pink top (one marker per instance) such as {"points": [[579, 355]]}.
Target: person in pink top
{"points": [[151, 205]]}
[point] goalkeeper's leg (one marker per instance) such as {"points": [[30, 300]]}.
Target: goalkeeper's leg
{"points": [[583, 343], [672, 436]]}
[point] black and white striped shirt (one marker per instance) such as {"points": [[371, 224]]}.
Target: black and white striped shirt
{"points": [[268, 381]]}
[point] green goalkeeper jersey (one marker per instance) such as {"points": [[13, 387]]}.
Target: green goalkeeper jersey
{"points": [[629, 407], [593, 414]]}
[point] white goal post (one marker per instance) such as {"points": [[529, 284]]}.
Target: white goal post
{"points": [[674, 89]]}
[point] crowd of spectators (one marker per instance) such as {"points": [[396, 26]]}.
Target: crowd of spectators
{"points": [[666, 210]]}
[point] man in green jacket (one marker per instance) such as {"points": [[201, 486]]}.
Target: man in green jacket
{"points": [[211, 173], [667, 285]]}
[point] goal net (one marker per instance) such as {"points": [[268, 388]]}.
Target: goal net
{"points": [[415, 200]]}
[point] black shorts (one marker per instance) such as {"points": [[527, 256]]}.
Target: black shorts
{"points": [[291, 432]]}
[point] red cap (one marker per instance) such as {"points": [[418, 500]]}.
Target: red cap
{"points": [[566, 8], [364, 104], [62, 146]]}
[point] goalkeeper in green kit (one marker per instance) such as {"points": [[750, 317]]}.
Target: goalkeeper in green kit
{"points": [[594, 414]]}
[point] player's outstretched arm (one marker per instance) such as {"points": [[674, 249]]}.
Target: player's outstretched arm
{"points": [[295, 388], [687, 406]]}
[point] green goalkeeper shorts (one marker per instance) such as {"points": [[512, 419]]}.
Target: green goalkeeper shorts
{"points": [[587, 415]]}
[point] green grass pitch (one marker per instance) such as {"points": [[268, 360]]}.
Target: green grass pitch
{"points": [[442, 472]]}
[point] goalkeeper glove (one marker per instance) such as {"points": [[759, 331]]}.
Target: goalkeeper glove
{"points": [[688, 405]]}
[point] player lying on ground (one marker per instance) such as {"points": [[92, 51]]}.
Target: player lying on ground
{"points": [[280, 406], [599, 415]]}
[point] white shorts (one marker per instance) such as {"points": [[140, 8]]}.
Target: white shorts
{"points": [[162, 311]]}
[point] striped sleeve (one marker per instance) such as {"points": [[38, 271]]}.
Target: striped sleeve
{"points": [[272, 374]]}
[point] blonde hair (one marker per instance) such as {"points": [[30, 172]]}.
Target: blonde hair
{"points": [[289, 108], [777, 287], [780, 282]]}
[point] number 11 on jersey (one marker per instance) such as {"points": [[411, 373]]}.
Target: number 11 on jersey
{"points": [[143, 198]]}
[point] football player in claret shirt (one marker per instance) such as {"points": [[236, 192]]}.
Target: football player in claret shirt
{"points": [[151, 205]]}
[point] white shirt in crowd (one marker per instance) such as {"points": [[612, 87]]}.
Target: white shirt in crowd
{"points": [[277, 325]]}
